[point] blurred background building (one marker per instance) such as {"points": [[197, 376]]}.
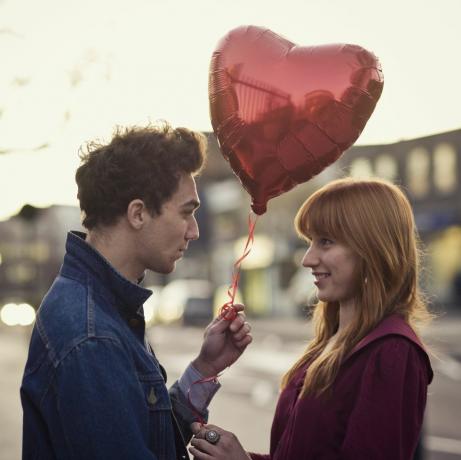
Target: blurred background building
{"points": [[272, 281], [274, 286]]}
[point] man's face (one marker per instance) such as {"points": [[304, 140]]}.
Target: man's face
{"points": [[165, 237]]}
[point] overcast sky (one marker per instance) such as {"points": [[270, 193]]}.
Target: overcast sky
{"points": [[72, 70]]}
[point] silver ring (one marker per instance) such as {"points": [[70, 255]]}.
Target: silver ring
{"points": [[212, 436]]}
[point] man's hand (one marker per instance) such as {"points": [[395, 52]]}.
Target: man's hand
{"points": [[224, 341]]}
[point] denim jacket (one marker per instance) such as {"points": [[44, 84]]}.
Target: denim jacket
{"points": [[92, 387]]}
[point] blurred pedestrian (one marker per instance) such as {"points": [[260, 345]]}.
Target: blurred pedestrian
{"points": [[92, 386], [359, 390]]}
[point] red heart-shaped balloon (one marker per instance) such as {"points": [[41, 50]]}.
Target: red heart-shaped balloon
{"points": [[282, 113]]}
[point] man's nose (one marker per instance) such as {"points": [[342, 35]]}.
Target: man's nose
{"points": [[193, 231]]}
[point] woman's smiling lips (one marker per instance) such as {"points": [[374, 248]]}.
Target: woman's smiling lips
{"points": [[319, 276]]}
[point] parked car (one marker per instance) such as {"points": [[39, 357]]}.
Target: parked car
{"points": [[186, 300], [198, 311]]}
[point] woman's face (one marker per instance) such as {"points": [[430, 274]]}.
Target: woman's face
{"points": [[335, 268]]}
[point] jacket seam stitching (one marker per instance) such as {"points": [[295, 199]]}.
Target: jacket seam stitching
{"points": [[56, 367]]}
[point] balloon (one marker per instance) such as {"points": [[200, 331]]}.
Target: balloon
{"points": [[281, 112]]}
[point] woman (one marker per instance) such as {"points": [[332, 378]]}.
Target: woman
{"points": [[359, 390]]}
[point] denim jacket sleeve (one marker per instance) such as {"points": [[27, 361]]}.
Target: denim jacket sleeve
{"points": [[103, 408], [183, 412], [190, 397]]}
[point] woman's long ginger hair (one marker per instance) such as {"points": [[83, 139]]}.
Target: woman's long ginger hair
{"points": [[374, 219]]}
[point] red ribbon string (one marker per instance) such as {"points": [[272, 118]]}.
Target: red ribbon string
{"points": [[228, 311], [200, 419]]}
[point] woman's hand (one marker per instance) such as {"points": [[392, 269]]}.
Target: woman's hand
{"points": [[227, 447]]}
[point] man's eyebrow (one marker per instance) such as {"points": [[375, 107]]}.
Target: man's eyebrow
{"points": [[194, 204]]}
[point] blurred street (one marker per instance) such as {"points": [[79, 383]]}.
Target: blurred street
{"points": [[246, 402]]}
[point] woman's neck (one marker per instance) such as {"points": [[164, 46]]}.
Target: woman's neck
{"points": [[346, 314]]}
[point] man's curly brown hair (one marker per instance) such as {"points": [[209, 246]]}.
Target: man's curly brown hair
{"points": [[139, 163]]}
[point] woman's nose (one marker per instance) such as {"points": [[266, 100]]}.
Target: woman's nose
{"points": [[310, 259]]}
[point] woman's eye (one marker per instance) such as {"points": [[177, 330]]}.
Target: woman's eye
{"points": [[325, 241]]}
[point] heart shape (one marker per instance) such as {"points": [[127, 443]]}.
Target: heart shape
{"points": [[282, 113]]}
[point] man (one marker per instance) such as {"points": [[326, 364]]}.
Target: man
{"points": [[92, 386]]}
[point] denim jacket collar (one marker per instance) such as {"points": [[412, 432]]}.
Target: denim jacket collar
{"points": [[82, 260]]}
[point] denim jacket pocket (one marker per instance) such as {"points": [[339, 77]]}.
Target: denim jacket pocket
{"points": [[156, 397], [155, 392]]}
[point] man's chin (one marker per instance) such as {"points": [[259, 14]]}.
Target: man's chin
{"points": [[169, 269], [165, 269]]}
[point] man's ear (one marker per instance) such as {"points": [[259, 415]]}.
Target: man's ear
{"points": [[136, 213]]}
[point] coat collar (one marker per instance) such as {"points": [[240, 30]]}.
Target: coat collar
{"points": [[393, 325], [82, 260]]}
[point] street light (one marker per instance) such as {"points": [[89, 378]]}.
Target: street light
{"points": [[17, 314]]}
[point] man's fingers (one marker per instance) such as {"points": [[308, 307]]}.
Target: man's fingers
{"points": [[242, 344], [237, 323], [239, 307], [219, 326], [242, 332]]}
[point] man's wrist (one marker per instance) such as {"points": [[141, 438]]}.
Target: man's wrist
{"points": [[207, 370], [199, 393]]}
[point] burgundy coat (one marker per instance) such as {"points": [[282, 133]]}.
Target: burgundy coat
{"points": [[375, 410]]}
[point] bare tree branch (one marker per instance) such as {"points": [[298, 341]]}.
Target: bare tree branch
{"points": [[34, 149]]}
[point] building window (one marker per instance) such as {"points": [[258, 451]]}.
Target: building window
{"points": [[445, 168], [418, 166], [386, 167], [361, 168]]}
